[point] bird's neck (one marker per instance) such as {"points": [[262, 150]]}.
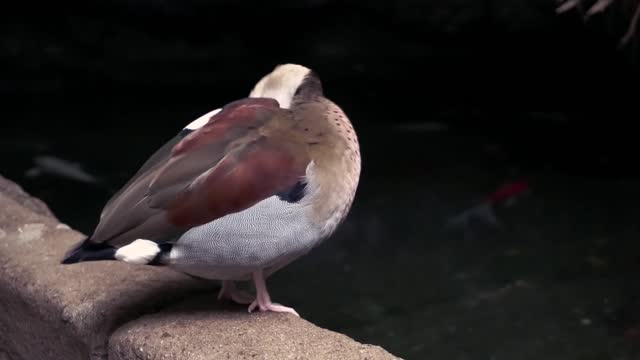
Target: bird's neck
{"points": [[335, 170]]}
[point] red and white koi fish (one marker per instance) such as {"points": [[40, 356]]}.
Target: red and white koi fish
{"points": [[485, 211]]}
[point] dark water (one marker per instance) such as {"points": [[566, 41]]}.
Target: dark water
{"points": [[450, 100], [557, 281]]}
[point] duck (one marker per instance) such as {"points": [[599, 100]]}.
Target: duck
{"points": [[239, 193]]}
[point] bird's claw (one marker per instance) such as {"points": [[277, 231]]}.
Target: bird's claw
{"points": [[269, 306]]}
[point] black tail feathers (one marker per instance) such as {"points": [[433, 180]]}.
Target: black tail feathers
{"points": [[88, 251]]}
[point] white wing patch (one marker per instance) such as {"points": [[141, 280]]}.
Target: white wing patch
{"points": [[139, 252], [202, 120]]}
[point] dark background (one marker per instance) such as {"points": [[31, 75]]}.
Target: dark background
{"points": [[486, 64], [516, 90]]}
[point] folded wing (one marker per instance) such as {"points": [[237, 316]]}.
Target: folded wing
{"points": [[244, 154]]}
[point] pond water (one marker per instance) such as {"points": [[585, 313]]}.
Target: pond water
{"points": [[556, 280], [451, 101]]}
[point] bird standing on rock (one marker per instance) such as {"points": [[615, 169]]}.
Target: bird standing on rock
{"points": [[240, 192]]}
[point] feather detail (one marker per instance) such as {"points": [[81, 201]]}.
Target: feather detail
{"points": [[245, 153]]}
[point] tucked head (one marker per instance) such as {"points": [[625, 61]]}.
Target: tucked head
{"points": [[287, 81]]}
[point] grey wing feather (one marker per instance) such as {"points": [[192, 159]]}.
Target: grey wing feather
{"points": [[139, 217], [157, 158]]}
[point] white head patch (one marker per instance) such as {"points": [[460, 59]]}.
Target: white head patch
{"points": [[281, 84]]}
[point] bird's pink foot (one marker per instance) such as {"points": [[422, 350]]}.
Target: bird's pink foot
{"points": [[231, 292], [263, 300], [270, 306]]}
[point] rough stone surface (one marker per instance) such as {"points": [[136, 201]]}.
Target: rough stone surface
{"points": [[16, 193], [54, 311], [200, 329]]}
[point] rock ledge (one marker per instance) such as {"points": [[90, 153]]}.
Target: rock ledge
{"points": [[118, 311]]}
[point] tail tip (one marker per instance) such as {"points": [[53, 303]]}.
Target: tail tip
{"points": [[87, 251], [73, 254]]}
